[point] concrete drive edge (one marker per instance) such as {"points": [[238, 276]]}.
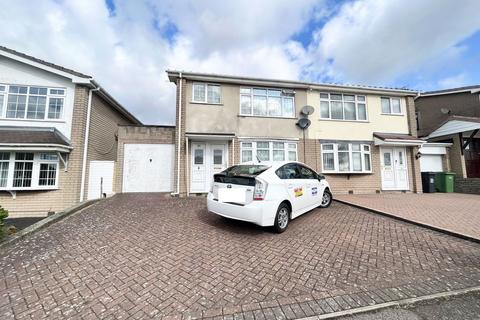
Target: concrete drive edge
{"points": [[391, 304], [421, 224], [9, 240]]}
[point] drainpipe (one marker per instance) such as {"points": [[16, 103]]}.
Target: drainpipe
{"points": [[179, 140], [85, 143]]}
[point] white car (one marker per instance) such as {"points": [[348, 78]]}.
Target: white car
{"points": [[268, 195]]}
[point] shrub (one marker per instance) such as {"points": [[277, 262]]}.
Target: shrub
{"points": [[3, 215]]}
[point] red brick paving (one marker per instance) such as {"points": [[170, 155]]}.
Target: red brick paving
{"points": [[146, 256], [455, 212]]}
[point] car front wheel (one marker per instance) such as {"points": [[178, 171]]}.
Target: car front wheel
{"points": [[282, 219], [326, 199]]}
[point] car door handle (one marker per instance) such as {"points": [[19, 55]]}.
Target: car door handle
{"points": [[290, 186]]}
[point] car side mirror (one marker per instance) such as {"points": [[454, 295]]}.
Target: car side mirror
{"points": [[320, 177]]}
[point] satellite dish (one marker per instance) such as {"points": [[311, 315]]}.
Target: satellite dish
{"points": [[303, 123], [307, 110], [445, 111]]}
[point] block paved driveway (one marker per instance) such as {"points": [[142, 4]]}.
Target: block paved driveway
{"points": [[455, 212], [148, 256]]}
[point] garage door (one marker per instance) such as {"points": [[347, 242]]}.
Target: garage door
{"points": [[431, 162], [148, 168]]}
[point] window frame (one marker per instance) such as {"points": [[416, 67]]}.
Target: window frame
{"points": [[5, 93], [37, 162], [288, 147], [283, 96], [350, 151], [391, 113], [206, 84], [356, 101]]}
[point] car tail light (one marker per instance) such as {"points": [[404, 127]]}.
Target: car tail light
{"points": [[260, 190]]}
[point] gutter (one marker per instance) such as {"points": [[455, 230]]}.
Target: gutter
{"points": [[179, 138], [85, 142]]}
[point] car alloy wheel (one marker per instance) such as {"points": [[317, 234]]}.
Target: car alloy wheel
{"points": [[326, 199], [282, 218]]}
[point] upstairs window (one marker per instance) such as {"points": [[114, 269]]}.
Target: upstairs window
{"points": [[391, 105], [267, 102], [206, 93], [28, 102], [336, 106]]}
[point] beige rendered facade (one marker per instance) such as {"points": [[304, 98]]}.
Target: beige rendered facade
{"points": [[225, 120]]}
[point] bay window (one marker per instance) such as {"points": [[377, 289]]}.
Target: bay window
{"points": [[28, 102], [267, 151], [28, 170], [346, 157], [206, 93], [336, 106], [267, 102], [391, 105]]}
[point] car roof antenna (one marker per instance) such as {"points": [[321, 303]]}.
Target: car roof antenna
{"points": [[258, 159]]}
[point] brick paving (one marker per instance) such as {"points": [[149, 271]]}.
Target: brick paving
{"points": [[146, 256], [455, 212]]}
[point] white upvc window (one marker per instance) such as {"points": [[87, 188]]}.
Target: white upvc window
{"points": [[346, 157], [391, 105], [28, 170], [206, 93], [31, 102], [267, 151], [267, 102], [338, 106]]}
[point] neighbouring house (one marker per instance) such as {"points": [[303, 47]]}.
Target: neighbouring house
{"points": [[58, 136], [452, 116], [363, 139]]}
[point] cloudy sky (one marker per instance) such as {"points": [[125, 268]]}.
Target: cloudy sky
{"points": [[128, 44]]}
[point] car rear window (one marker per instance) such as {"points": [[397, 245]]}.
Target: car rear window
{"points": [[245, 170], [240, 175]]}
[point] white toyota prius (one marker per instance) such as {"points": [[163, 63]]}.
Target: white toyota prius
{"points": [[268, 195]]}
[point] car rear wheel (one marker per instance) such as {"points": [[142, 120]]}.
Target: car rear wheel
{"points": [[326, 199], [282, 219]]}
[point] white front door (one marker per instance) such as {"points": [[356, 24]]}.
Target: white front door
{"points": [[198, 179], [208, 158], [394, 170]]}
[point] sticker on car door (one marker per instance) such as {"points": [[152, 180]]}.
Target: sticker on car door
{"points": [[298, 192], [314, 191]]}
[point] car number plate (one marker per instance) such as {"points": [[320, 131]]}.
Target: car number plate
{"points": [[237, 195]]}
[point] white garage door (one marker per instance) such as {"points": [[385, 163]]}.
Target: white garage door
{"points": [[431, 162], [148, 168]]}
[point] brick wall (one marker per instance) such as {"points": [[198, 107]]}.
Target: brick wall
{"points": [[467, 185], [139, 134], [180, 131], [39, 203]]}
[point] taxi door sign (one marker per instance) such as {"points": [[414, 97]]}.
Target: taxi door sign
{"points": [[298, 192]]}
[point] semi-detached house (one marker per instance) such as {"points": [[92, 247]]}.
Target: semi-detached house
{"points": [[58, 136], [362, 138]]}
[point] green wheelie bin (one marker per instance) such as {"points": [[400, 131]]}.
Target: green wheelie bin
{"points": [[444, 181]]}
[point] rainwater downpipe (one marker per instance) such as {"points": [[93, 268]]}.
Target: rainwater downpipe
{"points": [[85, 143], [179, 139]]}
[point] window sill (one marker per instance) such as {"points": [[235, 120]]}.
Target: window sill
{"points": [[34, 120], [341, 120], [29, 189], [347, 172], [207, 103], [271, 117], [392, 114]]}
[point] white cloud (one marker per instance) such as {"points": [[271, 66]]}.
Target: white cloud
{"points": [[128, 55], [453, 82], [373, 41]]}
